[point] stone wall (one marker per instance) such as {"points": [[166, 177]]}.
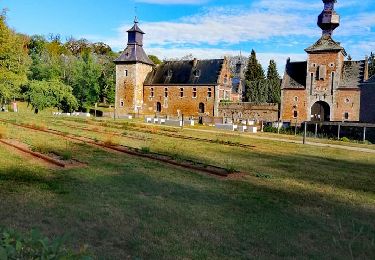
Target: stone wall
{"points": [[249, 111], [129, 87]]}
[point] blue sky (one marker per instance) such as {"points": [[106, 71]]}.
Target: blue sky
{"points": [[276, 29]]}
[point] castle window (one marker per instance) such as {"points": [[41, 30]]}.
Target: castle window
{"points": [[346, 115], [209, 93], [197, 73], [295, 114], [125, 73], [322, 72], [347, 100], [170, 73], [121, 103], [152, 93], [181, 92], [194, 92], [311, 83], [158, 107], [332, 82], [166, 92], [332, 65], [296, 98]]}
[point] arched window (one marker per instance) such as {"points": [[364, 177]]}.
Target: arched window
{"points": [[158, 107], [201, 108]]}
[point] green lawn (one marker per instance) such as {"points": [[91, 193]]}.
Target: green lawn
{"points": [[293, 201]]}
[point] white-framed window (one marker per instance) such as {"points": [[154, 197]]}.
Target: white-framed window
{"points": [[296, 98], [346, 115], [295, 114], [166, 92], [182, 92], [209, 92], [347, 100], [194, 92], [126, 73], [152, 93], [121, 103]]}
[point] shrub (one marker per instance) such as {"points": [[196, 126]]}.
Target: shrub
{"points": [[345, 139], [14, 245], [145, 149], [66, 155]]}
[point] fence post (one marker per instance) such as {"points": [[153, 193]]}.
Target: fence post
{"points": [[364, 134], [316, 130], [338, 132], [305, 133], [182, 123]]}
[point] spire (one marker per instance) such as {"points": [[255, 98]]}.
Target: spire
{"points": [[328, 20]]}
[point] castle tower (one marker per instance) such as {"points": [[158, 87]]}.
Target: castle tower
{"points": [[132, 68], [324, 67]]}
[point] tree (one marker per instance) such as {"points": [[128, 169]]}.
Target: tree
{"points": [[257, 91], [254, 69], [45, 94], [273, 83], [14, 61], [254, 76], [85, 80], [154, 59], [371, 64]]}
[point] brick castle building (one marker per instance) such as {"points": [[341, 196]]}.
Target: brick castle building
{"points": [[326, 87], [192, 88]]}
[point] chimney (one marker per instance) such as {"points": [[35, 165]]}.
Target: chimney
{"points": [[288, 60], [365, 76]]}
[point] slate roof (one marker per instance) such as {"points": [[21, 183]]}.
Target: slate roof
{"points": [[295, 75], [371, 80], [185, 73], [134, 53], [325, 43], [352, 74], [136, 28]]}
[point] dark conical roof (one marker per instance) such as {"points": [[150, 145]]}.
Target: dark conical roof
{"points": [[325, 44], [134, 54], [135, 27]]}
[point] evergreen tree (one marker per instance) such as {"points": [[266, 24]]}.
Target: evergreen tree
{"points": [[273, 83], [254, 76], [254, 69]]}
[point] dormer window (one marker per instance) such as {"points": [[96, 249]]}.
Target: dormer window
{"points": [[169, 73], [197, 73]]}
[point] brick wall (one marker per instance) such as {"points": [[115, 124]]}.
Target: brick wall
{"points": [[347, 101], [250, 111], [174, 104], [294, 100]]}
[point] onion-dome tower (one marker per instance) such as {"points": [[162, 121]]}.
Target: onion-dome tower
{"points": [[329, 20]]}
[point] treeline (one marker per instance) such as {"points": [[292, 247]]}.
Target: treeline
{"points": [[261, 87], [49, 73]]}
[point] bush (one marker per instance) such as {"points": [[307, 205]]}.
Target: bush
{"points": [[345, 139], [14, 245], [145, 149], [66, 155]]}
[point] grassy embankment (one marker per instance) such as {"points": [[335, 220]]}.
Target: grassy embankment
{"points": [[293, 201]]}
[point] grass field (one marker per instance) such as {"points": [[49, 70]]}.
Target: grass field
{"points": [[292, 201]]}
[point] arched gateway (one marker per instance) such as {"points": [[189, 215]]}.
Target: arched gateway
{"points": [[320, 111]]}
